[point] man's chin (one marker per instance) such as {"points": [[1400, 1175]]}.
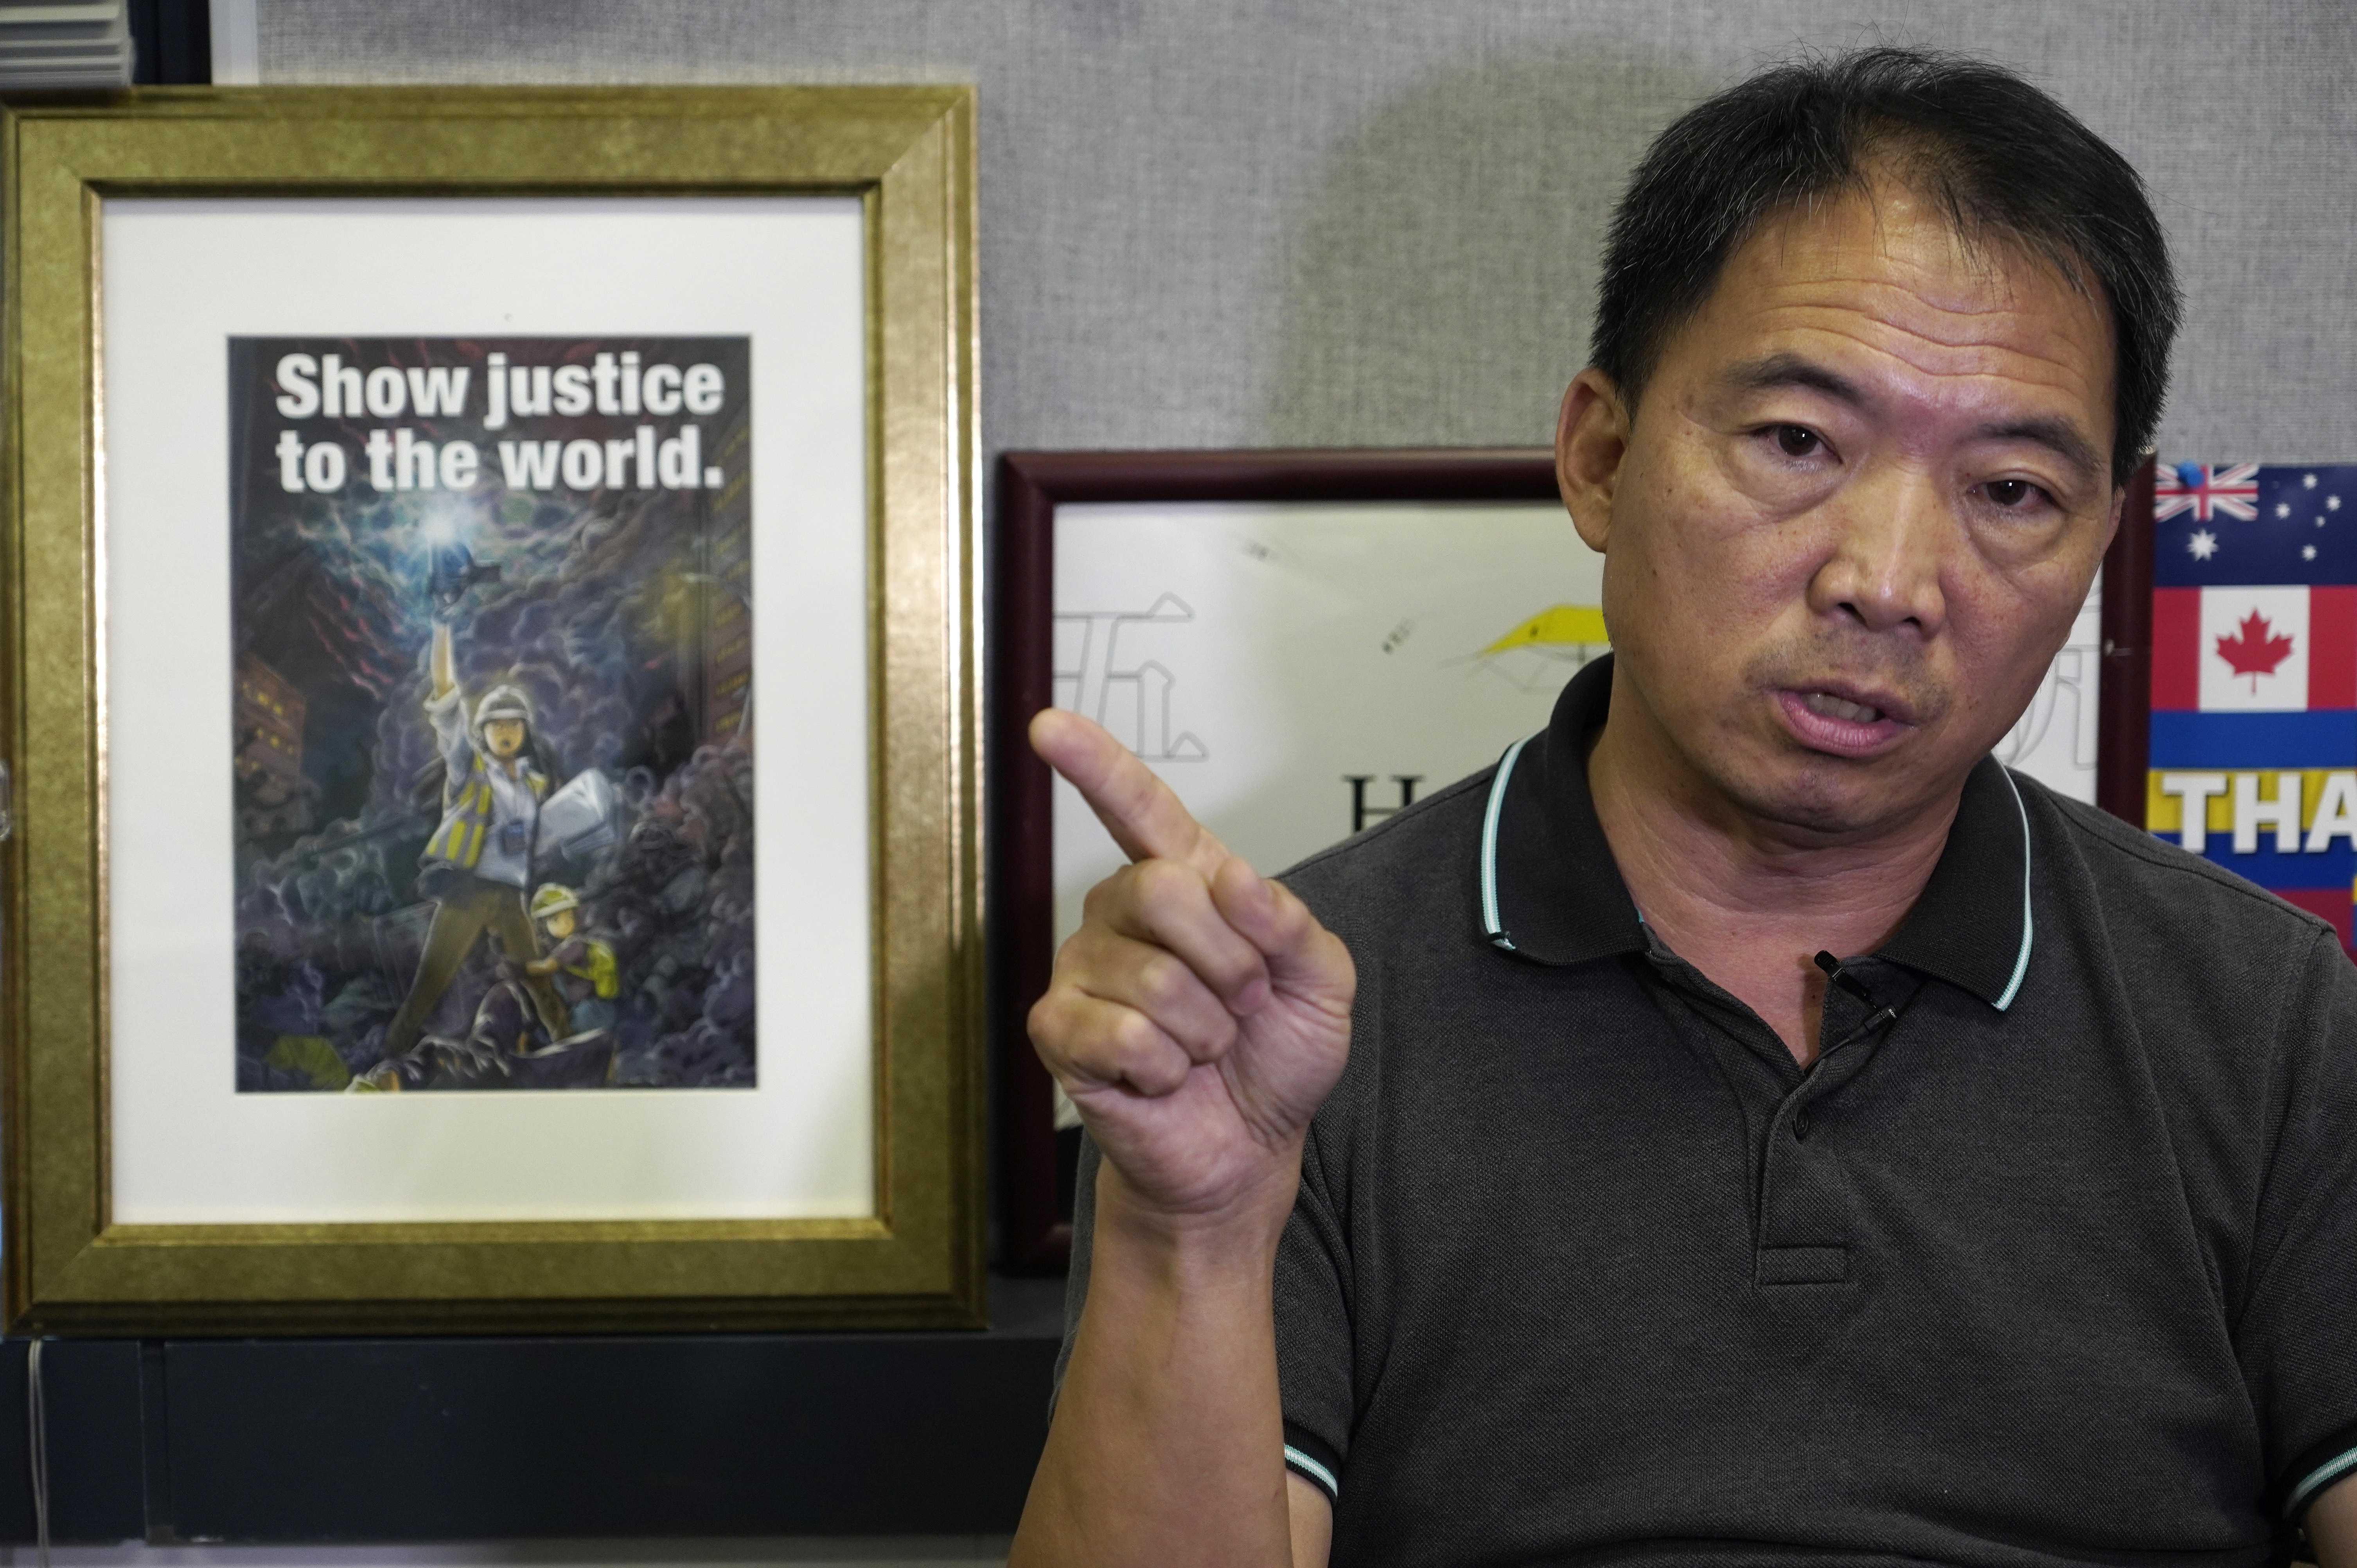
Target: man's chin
{"points": [[1826, 797]]}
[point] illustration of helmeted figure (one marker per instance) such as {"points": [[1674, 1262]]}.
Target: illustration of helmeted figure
{"points": [[581, 966], [478, 863]]}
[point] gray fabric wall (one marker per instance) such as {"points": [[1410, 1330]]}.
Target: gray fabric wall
{"points": [[1216, 222]]}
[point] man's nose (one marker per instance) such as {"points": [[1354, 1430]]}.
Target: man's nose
{"points": [[1891, 533]]}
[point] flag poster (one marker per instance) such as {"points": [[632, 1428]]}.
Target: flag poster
{"points": [[493, 715], [2254, 759]]}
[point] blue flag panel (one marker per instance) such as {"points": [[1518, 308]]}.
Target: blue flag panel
{"points": [[2319, 737], [2215, 524]]}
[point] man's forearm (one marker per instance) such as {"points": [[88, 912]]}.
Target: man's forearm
{"points": [[1167, 1443]]}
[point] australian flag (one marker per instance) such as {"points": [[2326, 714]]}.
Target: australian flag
{"points": [[2254, 674]]}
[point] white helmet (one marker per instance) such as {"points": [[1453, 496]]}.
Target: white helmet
{"points": [[502, 702]]}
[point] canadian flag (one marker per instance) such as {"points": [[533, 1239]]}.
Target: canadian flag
{"points": [[2254, 650]]}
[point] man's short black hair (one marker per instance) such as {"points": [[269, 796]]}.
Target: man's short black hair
{"points": [[2003, 159]]}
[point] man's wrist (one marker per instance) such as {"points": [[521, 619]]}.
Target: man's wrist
{"points": [[1240, 1232]]}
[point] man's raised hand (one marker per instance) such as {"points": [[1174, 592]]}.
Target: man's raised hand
{"points": [[1200, 1013]]}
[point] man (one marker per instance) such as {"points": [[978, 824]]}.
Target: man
{"points": [[1751, 1126], [479, 860]]}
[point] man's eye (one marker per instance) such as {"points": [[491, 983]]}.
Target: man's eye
{"points": [[1797, 440], [2013, 495]]}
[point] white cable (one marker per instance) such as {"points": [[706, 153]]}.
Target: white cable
{"points": [[37, 1444]]}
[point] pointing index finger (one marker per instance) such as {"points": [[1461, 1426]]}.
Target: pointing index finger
{"points": [[1144, 815]]}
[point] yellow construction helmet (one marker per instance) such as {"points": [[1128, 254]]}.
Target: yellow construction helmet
{"points": [[553, 898]]}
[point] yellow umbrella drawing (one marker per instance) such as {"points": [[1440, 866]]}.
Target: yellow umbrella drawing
{"points": [[1561, 625], [1534, 655]]}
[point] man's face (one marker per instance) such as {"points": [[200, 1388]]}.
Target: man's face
{"points": [[1855, 515], [504, 737], [559, 924]]}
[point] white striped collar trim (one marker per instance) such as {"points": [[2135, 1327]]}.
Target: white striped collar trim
{"points": [[2021, 964], [1489, 921], [2323, 1476], [1311, 1468]]}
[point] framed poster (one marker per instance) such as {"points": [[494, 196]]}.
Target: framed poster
{"points": [[428, 510], [2252, 686], [1300, 643]]}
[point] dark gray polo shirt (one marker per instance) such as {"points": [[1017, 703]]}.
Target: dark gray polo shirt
{"points": [[2052, 1258]]}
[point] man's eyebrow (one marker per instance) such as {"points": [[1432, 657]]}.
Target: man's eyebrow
{"points": [[2059, 435], [1775, 370]]}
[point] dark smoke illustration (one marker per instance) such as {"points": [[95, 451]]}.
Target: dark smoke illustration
{"points": [[620, 610]]}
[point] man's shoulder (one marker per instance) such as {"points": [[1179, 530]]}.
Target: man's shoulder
{"points": [[2206, 958], [2164, 886]]}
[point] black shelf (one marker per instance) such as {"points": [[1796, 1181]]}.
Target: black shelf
{"points": [[443, 1439]]}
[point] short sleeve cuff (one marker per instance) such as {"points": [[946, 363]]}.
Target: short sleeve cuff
{"points": [[447, 714], [1313, 1460], [2311, 1480], [2312, 1473]]}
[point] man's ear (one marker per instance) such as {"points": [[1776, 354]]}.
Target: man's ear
{"points": [[2119, 504], [1591, 437]]}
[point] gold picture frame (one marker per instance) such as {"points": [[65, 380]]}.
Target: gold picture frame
{"points": [[906, 156]]}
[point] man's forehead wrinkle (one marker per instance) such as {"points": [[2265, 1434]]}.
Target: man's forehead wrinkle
{"points": [[1922, 353], [1968, 334], [1927, 353]]}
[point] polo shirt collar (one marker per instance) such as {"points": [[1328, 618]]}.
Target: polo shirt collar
{"points": [[1971, 926], [1551, 891]]}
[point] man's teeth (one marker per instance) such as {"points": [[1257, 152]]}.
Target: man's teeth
{"points": [[1833, 707]]}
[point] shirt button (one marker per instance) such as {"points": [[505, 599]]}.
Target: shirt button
{"points": [[1800, 1129]]}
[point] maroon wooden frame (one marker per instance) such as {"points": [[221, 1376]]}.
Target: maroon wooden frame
{"points": [[1031, 485], [2123, 694]]}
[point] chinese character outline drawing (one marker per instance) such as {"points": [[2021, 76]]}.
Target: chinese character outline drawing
{"points": [[1134, 704]]}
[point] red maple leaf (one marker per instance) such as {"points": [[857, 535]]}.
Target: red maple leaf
{"points": [[2256, 651]]}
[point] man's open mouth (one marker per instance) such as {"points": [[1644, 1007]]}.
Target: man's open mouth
{"points": [[1833, 707], [1844, 725]]}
